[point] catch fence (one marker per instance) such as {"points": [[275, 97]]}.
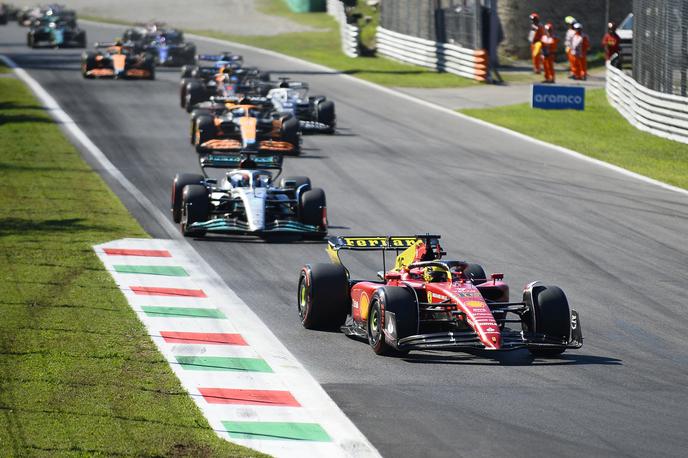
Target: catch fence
{"points": [[660, 45]]}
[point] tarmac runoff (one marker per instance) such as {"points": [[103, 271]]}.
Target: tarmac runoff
{"points": [[250, 388]]}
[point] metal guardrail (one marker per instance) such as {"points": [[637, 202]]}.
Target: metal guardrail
{"points": [[349, 32], [664, 115], [443, 57]]}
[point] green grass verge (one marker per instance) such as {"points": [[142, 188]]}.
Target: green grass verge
{"points": [[323, 46], [599, 132], [79, 376]]}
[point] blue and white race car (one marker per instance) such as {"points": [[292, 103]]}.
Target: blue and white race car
{"points": [[167, 46]]}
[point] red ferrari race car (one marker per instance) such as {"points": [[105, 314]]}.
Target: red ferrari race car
{"points": [[428, 303]]}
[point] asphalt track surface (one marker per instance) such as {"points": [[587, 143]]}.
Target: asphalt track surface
{"points": [[616, 245]]}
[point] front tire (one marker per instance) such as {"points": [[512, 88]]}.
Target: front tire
{"points": [[550, 315], [195, 207], [181, 180], [323, 296], [402, 303], [311, 207]]}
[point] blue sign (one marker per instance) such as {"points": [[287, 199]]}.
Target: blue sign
{"points": [[552, 97]]}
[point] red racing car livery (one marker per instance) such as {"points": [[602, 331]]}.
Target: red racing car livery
{"points": [[427, 303]]}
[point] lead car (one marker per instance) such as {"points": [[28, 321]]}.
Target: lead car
{"points": [[428, 303]]}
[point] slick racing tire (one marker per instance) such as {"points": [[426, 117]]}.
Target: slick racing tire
{"points": [[187, 70], [81, 40], [311, 207], [297, 180], [323, 296], [182, 91], [195, 114], [552, 318], [195, 206], [402, 303], [289, 132], [180, 181], [205, 130], [149, 64], [324, 113], [475, 273], [88, 62], [195, 93]]}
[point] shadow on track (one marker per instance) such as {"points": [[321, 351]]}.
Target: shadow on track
{"points": [[511, 358]]}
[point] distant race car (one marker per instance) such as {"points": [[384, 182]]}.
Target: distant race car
{"points": [[205, 68], [247, 199], [115, 60], [234, 124], [56, 30], [167, 46], [427, 303], [315, 113], [224, 79]]}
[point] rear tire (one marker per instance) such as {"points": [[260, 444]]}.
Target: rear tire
{"points": [[298, 181], [88, 62], [289, 132], [552, 318], [205, 130], [475, 273], [195, 206], [187, 70], [180, 181], [195, 93], [323, 296]]}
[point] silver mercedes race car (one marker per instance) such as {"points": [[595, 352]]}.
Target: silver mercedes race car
{"points": [[247, 198]]}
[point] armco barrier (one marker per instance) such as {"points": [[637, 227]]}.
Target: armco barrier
{"points": [[664, 115], [442, 57], [349, 32]]}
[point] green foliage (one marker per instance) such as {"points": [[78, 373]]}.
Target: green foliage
{"points": [[599, 132], [79, 376]]}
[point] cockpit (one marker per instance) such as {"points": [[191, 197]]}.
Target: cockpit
{"points": [[249, 178]]}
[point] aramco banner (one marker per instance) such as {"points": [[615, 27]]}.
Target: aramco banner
{"points": [[553, 97]]}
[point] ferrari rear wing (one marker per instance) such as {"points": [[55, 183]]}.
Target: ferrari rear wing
{"points": [[396, 243]]}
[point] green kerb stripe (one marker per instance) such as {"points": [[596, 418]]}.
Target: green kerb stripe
{"points": [[181, 312], [276, 431], [222, 363], [169, 271]]}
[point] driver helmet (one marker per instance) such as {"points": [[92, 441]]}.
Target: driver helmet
{"points": [[240, 179], [434, 274]]}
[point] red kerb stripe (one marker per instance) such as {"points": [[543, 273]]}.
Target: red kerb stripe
{"points": [[203, 338], [249, 397], [158, 291], [131, 252]]}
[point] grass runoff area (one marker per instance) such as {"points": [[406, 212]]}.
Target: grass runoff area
{"points": [[599, 132], [323, 46], [79, 375]]}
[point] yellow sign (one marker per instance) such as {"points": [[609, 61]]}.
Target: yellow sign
{"points": [[475, 303], [378, 242], [364, 304]]}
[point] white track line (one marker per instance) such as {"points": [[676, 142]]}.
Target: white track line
{"points": [[427, 104], [348, 439]]}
